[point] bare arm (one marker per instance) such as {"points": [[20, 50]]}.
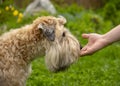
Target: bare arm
{"points": [[97, 41], [113, 35]]}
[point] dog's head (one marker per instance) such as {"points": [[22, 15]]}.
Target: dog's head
{"points": [[48, 25], [63, 48]]}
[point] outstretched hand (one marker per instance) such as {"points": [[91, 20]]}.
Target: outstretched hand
{"points": [[95, 43]]}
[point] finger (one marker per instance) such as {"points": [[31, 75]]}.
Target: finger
{"points": [[83, 53], [87, 51], [86, 36], [83, 50], [85, 47]]}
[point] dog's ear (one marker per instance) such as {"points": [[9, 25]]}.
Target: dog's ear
{"points": [[40, 26], [62, 20], [48, 31]]}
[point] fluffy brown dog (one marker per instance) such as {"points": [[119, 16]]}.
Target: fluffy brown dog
{"points": [[45, 36]]}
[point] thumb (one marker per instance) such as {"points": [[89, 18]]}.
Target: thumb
{"points": [[86, 36]]}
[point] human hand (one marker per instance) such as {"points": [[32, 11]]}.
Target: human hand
{"points": [[95, 43]]}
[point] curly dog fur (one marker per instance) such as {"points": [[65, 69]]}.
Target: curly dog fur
{"points": [[45, 36]]}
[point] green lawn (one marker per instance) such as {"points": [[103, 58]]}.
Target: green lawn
{"points": [[100, 69]]}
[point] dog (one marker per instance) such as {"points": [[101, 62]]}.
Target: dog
{"points": [[46, 36]]}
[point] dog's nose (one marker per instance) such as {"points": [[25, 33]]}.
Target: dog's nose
{"points": [[81, 47]]}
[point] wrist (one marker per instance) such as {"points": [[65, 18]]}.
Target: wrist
{"points": [[106, 40]]}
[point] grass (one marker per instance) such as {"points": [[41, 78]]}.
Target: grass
{"points": [[100, 69]]}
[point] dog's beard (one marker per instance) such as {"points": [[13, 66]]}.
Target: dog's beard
{"points": [[61, 54]]}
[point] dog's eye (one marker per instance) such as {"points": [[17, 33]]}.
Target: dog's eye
{"points": [[63, 35]]}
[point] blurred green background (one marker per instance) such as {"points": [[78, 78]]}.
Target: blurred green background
{"points": [[83, 16]]}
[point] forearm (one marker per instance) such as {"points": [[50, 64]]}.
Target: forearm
{"points": [[113, 35]]}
